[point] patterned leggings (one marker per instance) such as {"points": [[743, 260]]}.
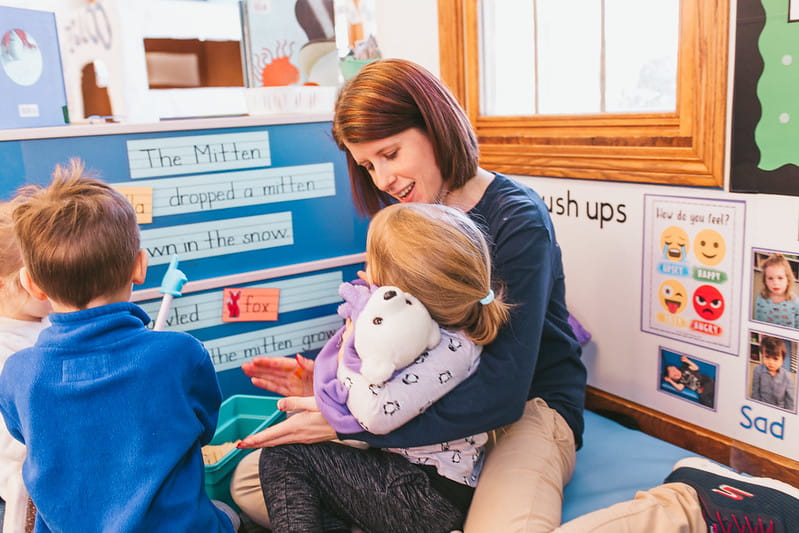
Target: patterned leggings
{"points": [[377, 491]]}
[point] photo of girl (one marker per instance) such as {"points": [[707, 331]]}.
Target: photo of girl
{"points": [[774, 286]]}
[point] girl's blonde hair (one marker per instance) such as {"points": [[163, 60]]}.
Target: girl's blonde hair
{"points": [[12, 294], [780, 261], [440, 256], [10, 254]]}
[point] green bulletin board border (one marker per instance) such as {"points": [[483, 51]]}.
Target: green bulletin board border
{"points": [[745, 176]]}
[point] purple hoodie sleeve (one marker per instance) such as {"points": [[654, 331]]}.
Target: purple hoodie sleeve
{"points": [[331, 395]]}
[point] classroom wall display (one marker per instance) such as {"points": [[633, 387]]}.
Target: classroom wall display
{"points": [[765, 115], [31, 77], [692, 270], [248, 209], [306, 319], [610, 292]]}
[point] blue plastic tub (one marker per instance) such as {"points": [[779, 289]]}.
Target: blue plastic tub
{"points": [[239, 416]]}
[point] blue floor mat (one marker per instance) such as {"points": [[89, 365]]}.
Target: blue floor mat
{"points": [[614, 463]]}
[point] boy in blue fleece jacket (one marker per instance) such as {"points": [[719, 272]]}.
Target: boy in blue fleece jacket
{"points": [[114, 415]]}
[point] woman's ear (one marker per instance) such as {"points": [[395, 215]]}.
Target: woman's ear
{"points": [[29, 285], [140, 270]]}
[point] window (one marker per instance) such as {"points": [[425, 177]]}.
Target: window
{"points": [[674, 143]]}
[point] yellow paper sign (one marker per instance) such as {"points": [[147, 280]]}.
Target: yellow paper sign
{"points": [[250, 304], [142, 200]]}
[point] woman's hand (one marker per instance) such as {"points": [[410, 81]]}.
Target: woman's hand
{"points": [[283, 375], [305, 427], [297, 403]]}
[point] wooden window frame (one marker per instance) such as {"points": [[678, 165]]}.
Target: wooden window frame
{"points": [[685, 147]]}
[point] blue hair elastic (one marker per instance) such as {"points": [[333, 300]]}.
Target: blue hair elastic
{"points": [[488, 298]]}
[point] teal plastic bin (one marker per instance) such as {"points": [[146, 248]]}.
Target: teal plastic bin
{"points": [[239, 416]]}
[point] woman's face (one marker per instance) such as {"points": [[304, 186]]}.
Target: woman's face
{"points": [[402, 165]]}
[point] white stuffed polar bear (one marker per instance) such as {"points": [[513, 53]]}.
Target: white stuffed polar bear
{"points": [[391, 331]]}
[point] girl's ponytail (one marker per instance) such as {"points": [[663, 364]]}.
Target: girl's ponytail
{"points": [[488, 319]]}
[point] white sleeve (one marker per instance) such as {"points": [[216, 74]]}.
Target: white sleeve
{"points": [[381, 408]]}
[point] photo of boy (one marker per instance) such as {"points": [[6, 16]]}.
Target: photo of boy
{"points": [[690, 379], [772, 379]]}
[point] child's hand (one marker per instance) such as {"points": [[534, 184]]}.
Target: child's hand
{"points": [[283, 375]]}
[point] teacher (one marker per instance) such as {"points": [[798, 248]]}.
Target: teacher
{"points": [[407, 139]]}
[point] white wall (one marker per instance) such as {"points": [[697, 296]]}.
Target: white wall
{"points": [[409, 29], [604, 283]]}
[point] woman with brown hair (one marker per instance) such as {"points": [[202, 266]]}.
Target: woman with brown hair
{"points": [[406, 139]]}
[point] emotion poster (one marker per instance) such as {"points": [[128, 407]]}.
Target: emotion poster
{"points": [[692, 270]]}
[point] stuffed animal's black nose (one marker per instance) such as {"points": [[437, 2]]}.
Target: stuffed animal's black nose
{"points": [[389, 295]]}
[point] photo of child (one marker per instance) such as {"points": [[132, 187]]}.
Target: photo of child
{"points": [[774, 289], [689, 378], [772, 372]]}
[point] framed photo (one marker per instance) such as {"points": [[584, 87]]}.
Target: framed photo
{"points": [[688, 378], [771, 376], [775, 289]]}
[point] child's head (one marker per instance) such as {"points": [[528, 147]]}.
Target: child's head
{"points": [[778, 278], [79, 237], [15, 302], [672, 372], [440, 256], [773, 351]]}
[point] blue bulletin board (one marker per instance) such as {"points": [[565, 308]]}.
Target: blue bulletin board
{"points": [[265, 206]]}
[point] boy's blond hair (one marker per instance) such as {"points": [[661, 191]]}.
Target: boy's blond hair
{"points": [[440, 256], [79, 237], [777, 260]]}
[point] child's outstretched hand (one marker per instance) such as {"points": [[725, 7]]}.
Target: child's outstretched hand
{"points": [[283, 375]]}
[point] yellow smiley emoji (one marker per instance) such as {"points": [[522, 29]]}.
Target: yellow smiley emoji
{"points": [[709, 247], [672, 296], [674, 243]]}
